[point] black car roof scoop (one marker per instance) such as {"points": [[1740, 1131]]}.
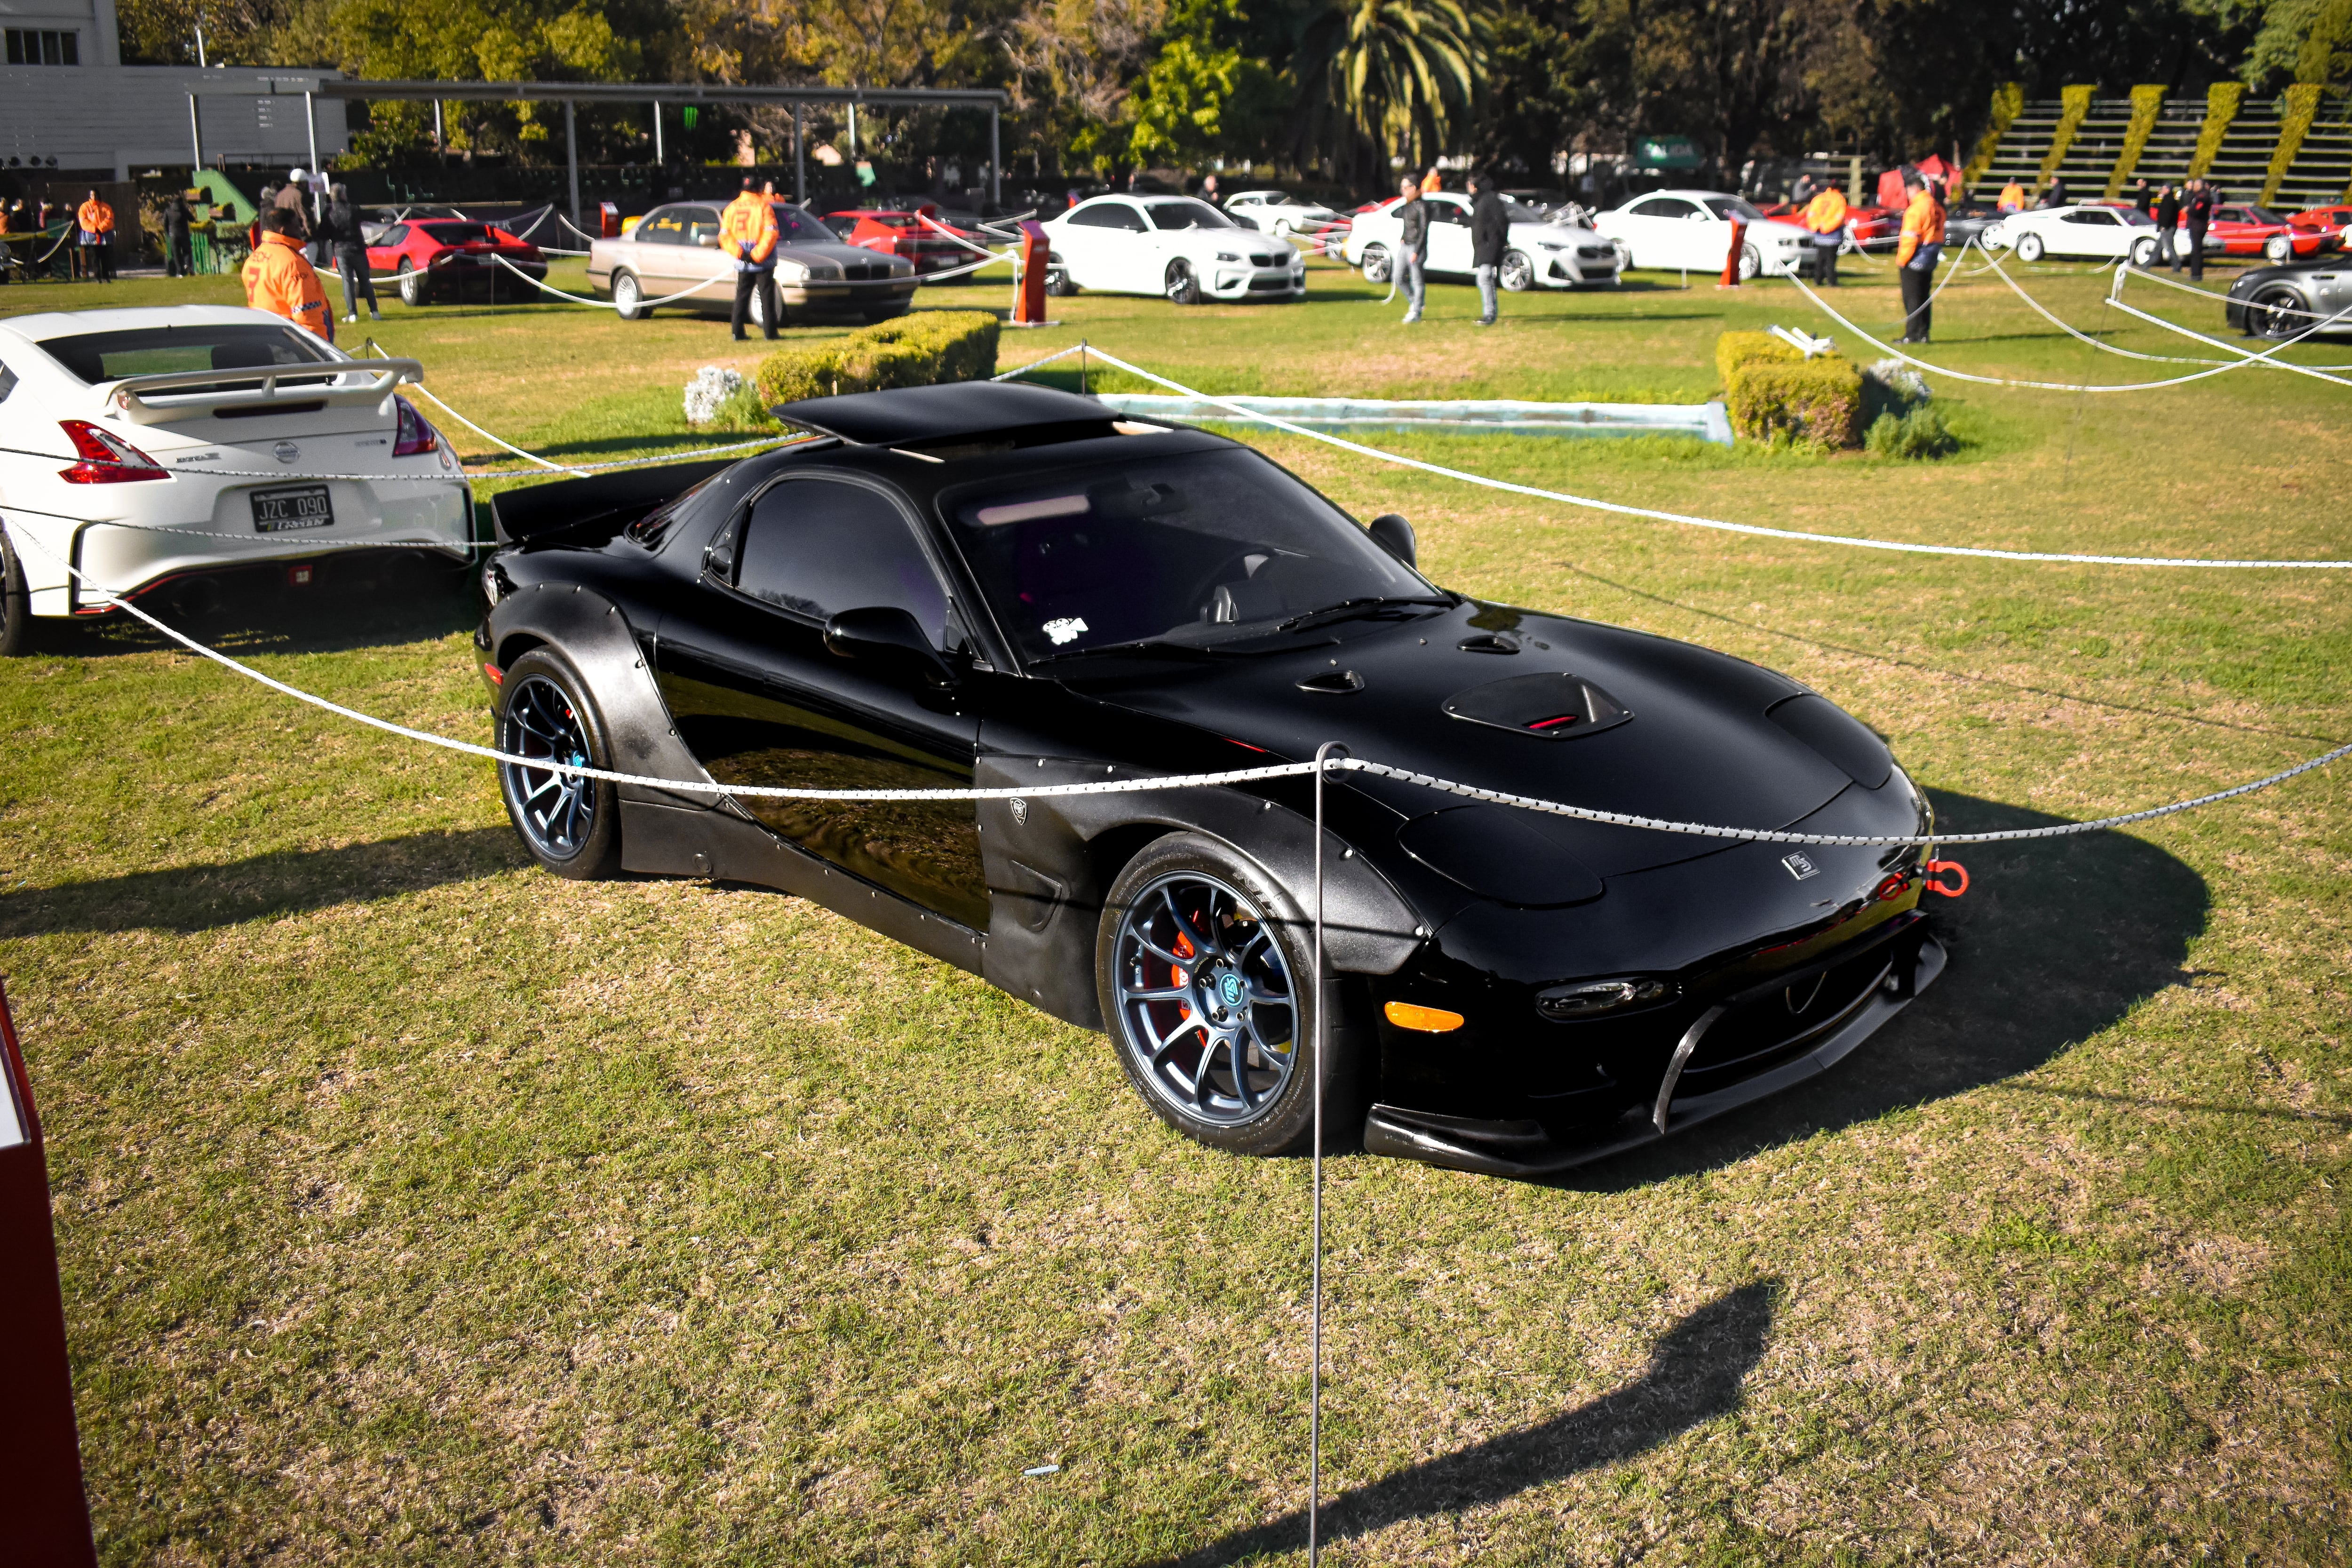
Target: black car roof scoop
{"points": [[1501, 853], [1549, 707], [1837, 735]]}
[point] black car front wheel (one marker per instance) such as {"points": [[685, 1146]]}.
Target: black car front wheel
{"points": [[2276, 313], [1203, 970], [571, 825]]}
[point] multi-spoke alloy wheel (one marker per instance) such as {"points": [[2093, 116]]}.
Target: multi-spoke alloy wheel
{"points": [[1207, 1007], [566, 820]]}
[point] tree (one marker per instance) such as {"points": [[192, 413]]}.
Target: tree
{"points": [[1380, 76], [1206, 95]]}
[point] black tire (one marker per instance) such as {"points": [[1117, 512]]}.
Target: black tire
{"points": [[1751, 262], [571, 826], [2277, 314], [2029, 248], [2143, 253], [416, 289], [1376, 264], [1261, 950], [1518, 274], [629, 298], [2278, 247], [1057, 282], [1181, 284], [16, 603]]}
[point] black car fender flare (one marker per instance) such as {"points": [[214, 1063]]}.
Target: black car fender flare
{"points": [[591, 632]]}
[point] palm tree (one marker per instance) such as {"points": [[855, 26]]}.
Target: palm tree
{"points": [[1377, 77]]}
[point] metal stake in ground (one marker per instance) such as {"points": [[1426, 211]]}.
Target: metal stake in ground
{"points": [[1330, 751]]}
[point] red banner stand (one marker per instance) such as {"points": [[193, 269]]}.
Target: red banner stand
{"points": [[1029, 290], [44, 1517], [1731, 262]]}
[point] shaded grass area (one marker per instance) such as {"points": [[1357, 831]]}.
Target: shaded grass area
{"points": [[414, 1206]]}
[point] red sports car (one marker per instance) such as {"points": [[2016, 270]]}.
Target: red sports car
{"points": [[441, 257], [2259, 231], [906, 233], [2324, 220], [1873, 228]]}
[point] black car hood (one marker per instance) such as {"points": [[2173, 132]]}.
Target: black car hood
{"points": [[1697, 745]]}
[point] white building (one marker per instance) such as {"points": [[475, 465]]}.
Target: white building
{"points": [[69, 102]]}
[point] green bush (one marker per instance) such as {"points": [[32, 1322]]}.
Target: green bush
{"points": [[1921, 433], [912, 351], [1733, 349], [1816, 403]]}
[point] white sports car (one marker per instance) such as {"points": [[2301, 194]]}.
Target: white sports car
{"points": [[1540, 255], [1280, 214], [149, 444], [1692, 230], [2082, 228], [1177, 245]]}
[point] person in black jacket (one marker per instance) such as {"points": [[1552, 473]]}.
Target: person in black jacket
{"points": [[1490, 232], [179, 251], [2199, 211], [340, 230], [1413, 246], [2168, 223]]}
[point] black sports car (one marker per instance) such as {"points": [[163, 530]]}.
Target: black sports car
{"points": [[2281, 301], [1001, 586]]}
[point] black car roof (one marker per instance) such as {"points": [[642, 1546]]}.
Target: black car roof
{"points": [[917, 415]]}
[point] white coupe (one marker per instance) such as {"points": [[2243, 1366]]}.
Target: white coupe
{"points": [[1280, 214], [1691, 230], [1541, 254], [2092, 229], [149, 444], [1177, 245]]}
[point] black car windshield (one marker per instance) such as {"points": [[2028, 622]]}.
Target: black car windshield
{"points": [[457, 233], [792, 224], [1187, 213], [161, 351], [1728, 207], [1194, 549]]}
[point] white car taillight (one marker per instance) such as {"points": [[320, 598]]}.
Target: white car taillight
{"points": [[106, 458], [417, 435]]}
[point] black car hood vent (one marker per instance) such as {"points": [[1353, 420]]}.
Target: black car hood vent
{"points": [[1547, 706]]}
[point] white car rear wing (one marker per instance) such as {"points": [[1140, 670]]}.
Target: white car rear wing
{"points": [[229, 394]]}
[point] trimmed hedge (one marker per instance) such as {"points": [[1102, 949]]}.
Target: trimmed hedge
{"points": [[911, 351], [1733, 349], [1816, 402]]}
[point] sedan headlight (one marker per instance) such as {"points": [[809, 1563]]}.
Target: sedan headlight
{"points": [[793, 272], [1227, 256]]}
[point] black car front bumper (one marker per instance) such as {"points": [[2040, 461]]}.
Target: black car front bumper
{"points": [[1730, 1055]]}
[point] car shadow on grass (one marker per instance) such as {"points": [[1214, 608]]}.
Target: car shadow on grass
{"points": [[359, 599], [2056, 940], [189, 899], [1695, 1374]]}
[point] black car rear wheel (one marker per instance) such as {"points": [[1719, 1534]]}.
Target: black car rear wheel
{"points": [[2276, 313], [416, 289], [571, 825], [15, 605], [1202, 970]]}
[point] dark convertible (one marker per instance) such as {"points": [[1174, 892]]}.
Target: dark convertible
{"points": [[1009, 586]]}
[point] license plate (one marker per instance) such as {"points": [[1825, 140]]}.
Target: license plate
{"points": [[293, 507]]}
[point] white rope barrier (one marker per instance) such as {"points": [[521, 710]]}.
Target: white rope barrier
{"points": [[2226, 347], [499, 440], [2263, 358], [2085, 337], [1189, 781], [606, 304], [1622, 509]]}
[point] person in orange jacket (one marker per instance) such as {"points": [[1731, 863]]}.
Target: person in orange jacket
{"points": [[1825, 220], [280, 280], [747, 232], [2011, 199], [97, 238], [1915, 256]]}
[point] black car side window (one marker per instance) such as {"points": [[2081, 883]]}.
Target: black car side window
{"points": [[817, 547]]}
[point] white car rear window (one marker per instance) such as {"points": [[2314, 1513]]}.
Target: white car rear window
{"points": [[94, 357]]}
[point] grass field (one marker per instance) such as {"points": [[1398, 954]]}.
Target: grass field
{"points": [[416, 1206]]}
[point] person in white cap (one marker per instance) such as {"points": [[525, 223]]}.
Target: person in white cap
{"points": [[294, 196]]}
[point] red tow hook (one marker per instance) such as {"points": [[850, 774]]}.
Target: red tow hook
{"points": [[1936, 868]]}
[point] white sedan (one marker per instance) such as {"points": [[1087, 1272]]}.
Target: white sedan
{"points": [[2083, 228], [149, 444], [1280, 214], [1177, 245], [1541, 254], [1691, 230]]}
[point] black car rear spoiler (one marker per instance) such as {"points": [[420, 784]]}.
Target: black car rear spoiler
{"points": [[544, 509]]}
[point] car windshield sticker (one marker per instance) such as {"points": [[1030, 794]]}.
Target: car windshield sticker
{"points": [[1067, 629], [1030, 511]]}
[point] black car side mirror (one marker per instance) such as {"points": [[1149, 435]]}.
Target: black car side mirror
{"points": [[889, 636], [1395, 534]]}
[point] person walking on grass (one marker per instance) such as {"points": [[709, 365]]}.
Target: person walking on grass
{"points": [[1921, 247], [1413, 246], [1490, 231], [2168, 223], [340, 231], [97, 237], [179, 250], [2198, 211]]}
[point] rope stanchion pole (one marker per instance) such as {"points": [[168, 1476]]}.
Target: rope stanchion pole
{"points": [[1329, 752]]}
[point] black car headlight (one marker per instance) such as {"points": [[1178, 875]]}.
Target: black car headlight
{"points": [[1591, 998]]}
